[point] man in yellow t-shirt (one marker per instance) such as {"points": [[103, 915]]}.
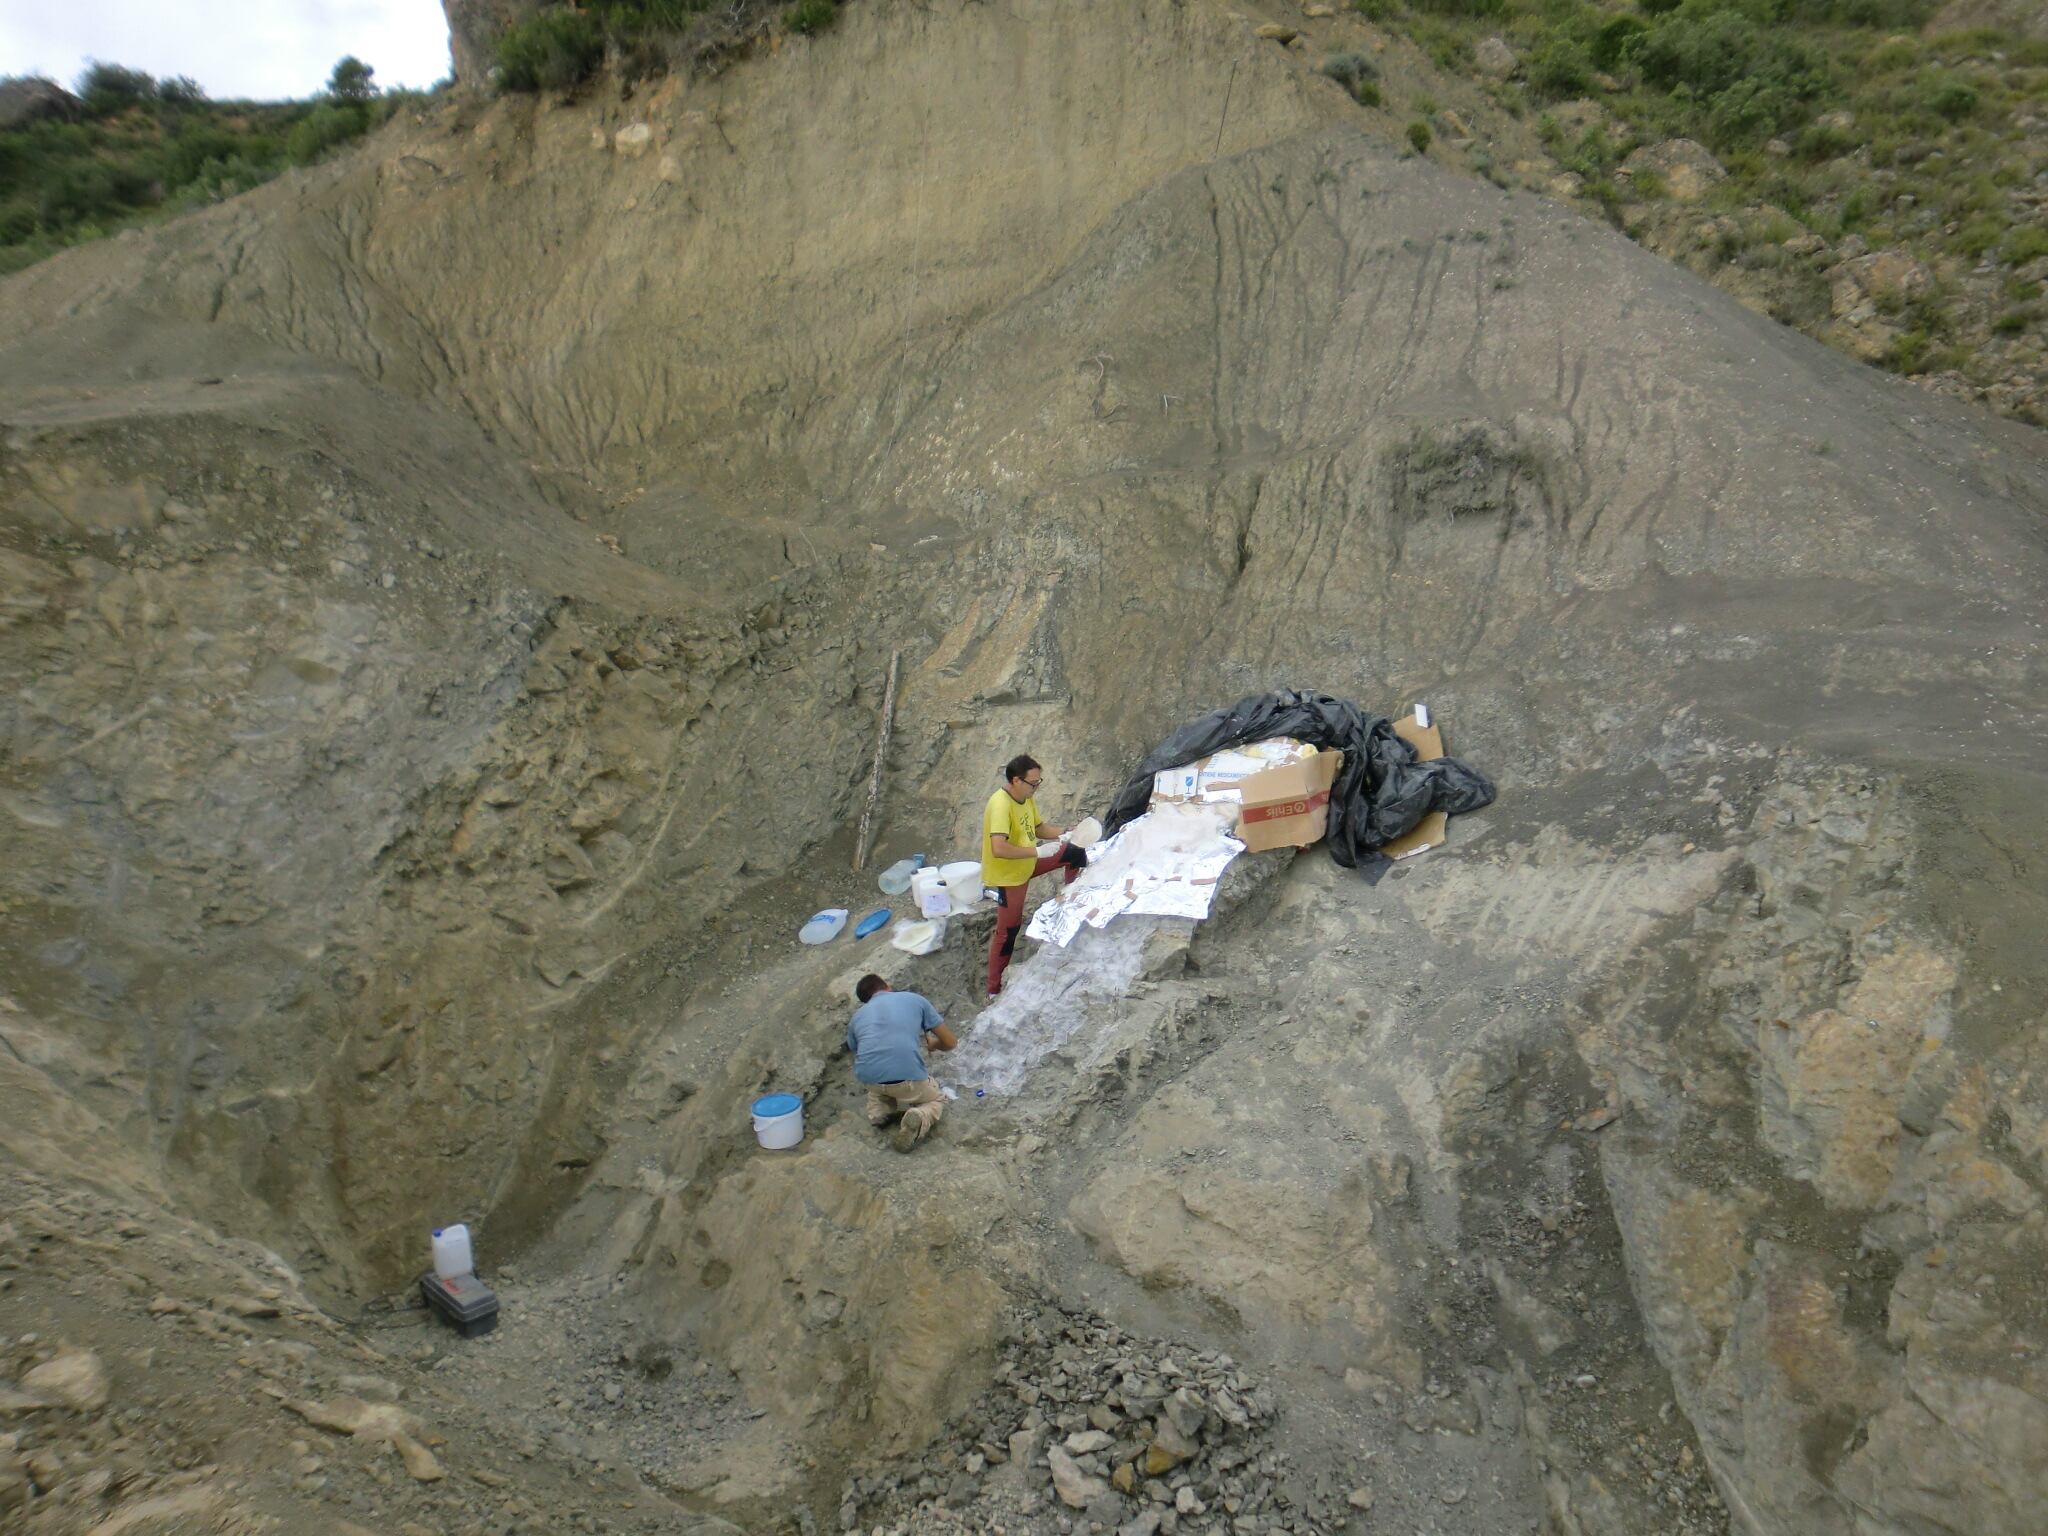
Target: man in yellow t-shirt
{"points": [[1010, 830]]}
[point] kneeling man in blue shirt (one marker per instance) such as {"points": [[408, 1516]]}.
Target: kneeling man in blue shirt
{"points": [[887, 1036]]}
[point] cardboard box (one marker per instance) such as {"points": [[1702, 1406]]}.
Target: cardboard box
{"points": [[1431, 831], [1288, 806], [1220, 775]]}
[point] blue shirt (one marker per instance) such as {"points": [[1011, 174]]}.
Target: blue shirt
{"points": [[885, 1037]]}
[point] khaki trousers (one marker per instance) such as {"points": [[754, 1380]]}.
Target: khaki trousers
{"points": [[920, 1103]]}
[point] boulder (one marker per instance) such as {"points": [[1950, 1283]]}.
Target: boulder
{"points": [[1886, 275], [1494, 58], [1688, 168], [72, 1378]]}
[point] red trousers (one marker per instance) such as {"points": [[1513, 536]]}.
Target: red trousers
{"points": [[1010, 915]]}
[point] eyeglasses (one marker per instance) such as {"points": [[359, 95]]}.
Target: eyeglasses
{"points": [[1034, 783]]}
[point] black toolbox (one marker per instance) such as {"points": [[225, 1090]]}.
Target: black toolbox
{"points": [[469, 1306]]}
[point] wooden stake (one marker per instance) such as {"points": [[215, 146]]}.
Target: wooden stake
{"points": [[867, 817]]}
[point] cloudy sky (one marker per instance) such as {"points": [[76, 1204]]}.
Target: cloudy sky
{"points": [[266, 49]]}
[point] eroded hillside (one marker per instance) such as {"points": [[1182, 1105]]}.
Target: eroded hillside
{"points": [[448, 596]]}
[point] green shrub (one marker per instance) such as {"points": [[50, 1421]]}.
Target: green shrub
{"points": [[1948, 96], [1978, 235], [1476, 9], [1816, 142], [180, 91], [1609, 46], [555, 50], [1377, 10], [1446, 44], [1908, 354], [1419, 136], [186, 154], [322, 129], [1750, 111], [1357, 74], [1561, 69], [811, 16], [2013, 321], [2024, 244]]}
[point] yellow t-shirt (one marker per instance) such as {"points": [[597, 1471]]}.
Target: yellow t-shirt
{"points": [[1019, 823]]}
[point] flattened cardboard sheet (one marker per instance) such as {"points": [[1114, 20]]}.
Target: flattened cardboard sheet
{"points": [[1433, 829]]}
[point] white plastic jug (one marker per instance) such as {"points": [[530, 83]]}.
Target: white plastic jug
{"points": [[452, 1254], [896, 879], [963, 883], [928, 890], [823, 928]]}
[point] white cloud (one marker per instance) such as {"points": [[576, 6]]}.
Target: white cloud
{"points": [[265, 49]]}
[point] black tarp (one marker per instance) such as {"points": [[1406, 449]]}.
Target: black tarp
{"points": [[1381, 791]]}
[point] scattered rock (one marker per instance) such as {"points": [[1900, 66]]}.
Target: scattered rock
{"points": [[72, 1378], [1359, 1498], [419, 1461], [1278, 32], [633, 141], [1076, 1489]]}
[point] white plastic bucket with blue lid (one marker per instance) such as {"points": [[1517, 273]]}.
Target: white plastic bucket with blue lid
{"points": [[778, 1120]]}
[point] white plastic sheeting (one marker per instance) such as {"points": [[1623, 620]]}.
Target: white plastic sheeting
{"points": [[1164, 864], [1045, 1003]]}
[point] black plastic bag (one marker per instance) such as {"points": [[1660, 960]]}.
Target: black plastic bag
{"points": [[1381, 791]]}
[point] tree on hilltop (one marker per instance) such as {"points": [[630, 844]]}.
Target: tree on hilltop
{"points": [[351, 80]]}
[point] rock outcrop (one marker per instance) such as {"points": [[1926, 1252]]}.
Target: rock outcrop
{"points": [[474, 28]]}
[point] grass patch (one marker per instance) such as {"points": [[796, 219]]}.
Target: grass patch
{"points": [[2025, 243]]}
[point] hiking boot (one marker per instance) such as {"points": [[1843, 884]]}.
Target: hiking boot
{"points": [[906, 1136]]}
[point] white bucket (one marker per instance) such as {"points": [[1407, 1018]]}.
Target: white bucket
{"points": [[963, 883], [928, 890], [778, 1120], [452, 1255]]}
